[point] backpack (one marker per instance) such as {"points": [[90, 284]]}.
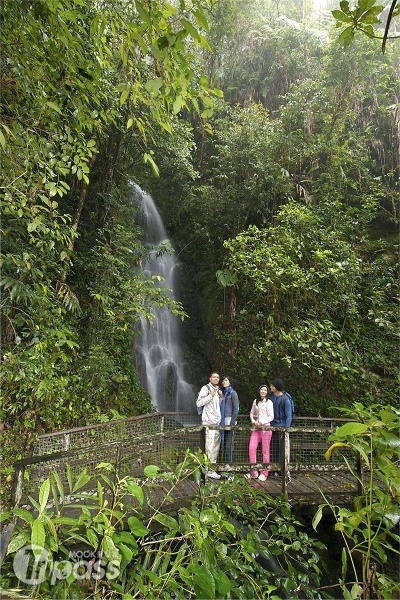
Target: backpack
{"points": [[291, 402], [200, 408]]}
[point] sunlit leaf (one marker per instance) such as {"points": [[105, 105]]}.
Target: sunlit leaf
{"points": [[151, 470], [352, 428], [54, 106], [38, 534], [109, 549], [167, 521], [341, 16], [17, 541], [333, 447], [44, 494]]}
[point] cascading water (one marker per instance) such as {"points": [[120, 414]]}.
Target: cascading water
{"points": [[159, 345]]}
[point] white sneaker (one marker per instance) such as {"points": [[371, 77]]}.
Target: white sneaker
{"points": [[262, 477], [213, 475]]}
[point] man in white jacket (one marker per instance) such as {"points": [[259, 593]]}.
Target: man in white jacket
{"points": [[209, 399]]}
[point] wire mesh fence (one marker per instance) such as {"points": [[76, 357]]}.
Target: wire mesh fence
{"points": [[162, 439], [112, 431], [164, 449], [149, 424], [306, 448]]}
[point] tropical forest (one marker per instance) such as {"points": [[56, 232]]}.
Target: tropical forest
{"points": [[264, 135]]}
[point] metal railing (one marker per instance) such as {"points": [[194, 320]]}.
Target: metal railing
{"points": [[112, 431], [149, 424], [162, 439]]}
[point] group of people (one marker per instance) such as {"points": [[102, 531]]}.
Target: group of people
{"points": [[221, 407]]}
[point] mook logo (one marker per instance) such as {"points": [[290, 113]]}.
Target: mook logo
{"points": [[32, 564]]}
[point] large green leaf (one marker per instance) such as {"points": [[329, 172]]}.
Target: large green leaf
{"points": [[24, 514], [82, 480], [38, 534], [44, 494], [137, 527], [126, 552], [348, 429], [127, 539], [204, 582], [18, 541], [110, 550], [137, 491], [223, 584], [209, 517], [167, 521]]}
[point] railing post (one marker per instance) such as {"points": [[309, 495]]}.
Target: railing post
{"points": [[203, 449], [285, 460], [16, 493], [115, 478]]}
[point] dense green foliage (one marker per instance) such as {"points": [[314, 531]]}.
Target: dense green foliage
{"points": [[284, 206], [363, 17], [292, 224], [77, 79], [231, 542], [370, 531]]}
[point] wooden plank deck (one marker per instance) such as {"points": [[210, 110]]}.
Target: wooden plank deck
{"points": [[304, 494], [305, 491], [166, 446], [308, 489]]}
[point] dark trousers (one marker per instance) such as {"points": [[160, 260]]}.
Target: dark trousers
{"points": [[227, 444], [277, 446]]}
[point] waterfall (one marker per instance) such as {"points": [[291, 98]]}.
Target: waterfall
{"points": [[158, 347]]}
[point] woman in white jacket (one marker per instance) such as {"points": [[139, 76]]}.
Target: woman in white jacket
{"points": [[261, 415]]}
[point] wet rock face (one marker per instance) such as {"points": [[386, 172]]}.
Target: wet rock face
{"points": [[196, 364], [168, 386]]}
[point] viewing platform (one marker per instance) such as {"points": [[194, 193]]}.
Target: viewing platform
{"points": [[162, 439]]}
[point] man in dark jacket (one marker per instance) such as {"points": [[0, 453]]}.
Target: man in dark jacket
{"points": [[282, 416]]}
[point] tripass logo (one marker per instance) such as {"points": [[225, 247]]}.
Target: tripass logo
{"points": [[34, 564]]}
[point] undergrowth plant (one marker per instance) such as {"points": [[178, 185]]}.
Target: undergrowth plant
{"points": [[370, 530], [107, 537]]}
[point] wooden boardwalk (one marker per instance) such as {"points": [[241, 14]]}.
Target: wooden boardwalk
{"points": [[306, 491], [163, 440]]}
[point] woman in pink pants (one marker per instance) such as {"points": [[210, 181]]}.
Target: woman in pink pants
{"points": [[261, 415]]}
